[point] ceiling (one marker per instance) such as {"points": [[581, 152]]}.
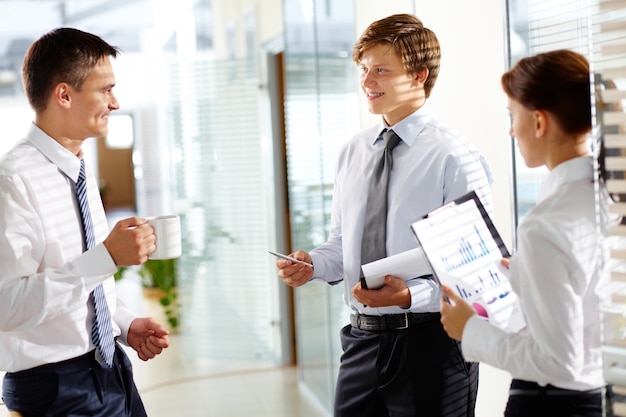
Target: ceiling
{"points": [[121, 23]]}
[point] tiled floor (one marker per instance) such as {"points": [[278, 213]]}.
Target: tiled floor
{"points": [[263, 393], [174, 386]]}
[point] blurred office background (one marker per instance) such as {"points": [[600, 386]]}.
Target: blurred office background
{"points": [[232, 112]]}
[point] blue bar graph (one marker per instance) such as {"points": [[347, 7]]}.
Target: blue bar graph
{"points": [[467, 253], [479, 283]]}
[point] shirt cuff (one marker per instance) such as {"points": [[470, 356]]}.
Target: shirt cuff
{"points": [[473, 338], [124, 318], [425, 295], [320, 269], [96, 262]]}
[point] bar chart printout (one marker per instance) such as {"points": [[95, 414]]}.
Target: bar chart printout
{"points": [[465, 252], [468, 252]]}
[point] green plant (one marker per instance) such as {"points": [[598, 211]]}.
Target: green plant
{"points": [[120, 272], [162, 275]]}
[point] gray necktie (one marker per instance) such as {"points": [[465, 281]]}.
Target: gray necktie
{"points": [[373, 244]]}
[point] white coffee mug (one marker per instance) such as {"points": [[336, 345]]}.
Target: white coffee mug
{"points": [[168, 241]]}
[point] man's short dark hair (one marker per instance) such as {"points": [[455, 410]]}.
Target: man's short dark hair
{"points": [[61, 55]]}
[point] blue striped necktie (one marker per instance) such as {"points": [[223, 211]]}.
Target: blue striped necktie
{"points": [[101, 330]]}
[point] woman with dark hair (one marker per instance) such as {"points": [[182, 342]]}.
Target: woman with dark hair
{"points": [[555, 361]]}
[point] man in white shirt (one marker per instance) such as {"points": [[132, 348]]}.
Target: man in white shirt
{"points": [[397, 359], [56, 266]]}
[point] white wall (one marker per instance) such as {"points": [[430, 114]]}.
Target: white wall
{"points": [[468, 96]]}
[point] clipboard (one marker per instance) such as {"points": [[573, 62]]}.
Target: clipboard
{"points": [[464, 250]]}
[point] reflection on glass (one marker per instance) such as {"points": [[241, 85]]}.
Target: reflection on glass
{"points": [[321, 111], [537, 26]]}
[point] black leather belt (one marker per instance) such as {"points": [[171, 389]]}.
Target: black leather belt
{"points": [[88, 357], [391, 321]]}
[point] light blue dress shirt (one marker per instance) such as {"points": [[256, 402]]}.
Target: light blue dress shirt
{"points": [[432, 166]]}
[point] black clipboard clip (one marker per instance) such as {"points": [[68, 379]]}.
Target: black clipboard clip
{"points": [[363, 280]]}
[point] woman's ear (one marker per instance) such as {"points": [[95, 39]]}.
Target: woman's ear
{"points": [[541, 123]]}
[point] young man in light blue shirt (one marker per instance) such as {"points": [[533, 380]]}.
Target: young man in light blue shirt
{"points": [[397, 359]]}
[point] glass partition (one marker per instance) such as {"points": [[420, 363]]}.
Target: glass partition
{"points": [[321, 111], [228, 284], [538, 26]]}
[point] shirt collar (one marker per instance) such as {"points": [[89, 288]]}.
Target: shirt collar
{"points": [[575, 169], [65, 160], [411, 126]]}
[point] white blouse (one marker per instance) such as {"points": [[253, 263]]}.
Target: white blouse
{"points": [[556, 272]]}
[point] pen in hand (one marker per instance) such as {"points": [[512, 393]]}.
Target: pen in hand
{"points": [[289, 258]]}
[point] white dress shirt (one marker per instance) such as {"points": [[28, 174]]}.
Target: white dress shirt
{"points": [[432, 166], [45, 278], [555, 271]]}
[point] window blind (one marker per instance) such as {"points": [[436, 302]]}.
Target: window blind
{"points": [[543, 25], [229, 304], [609, 65]]}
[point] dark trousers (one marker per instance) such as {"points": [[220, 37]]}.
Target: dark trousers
{"points": [[530, 399], [411, 372], [77, 387]]}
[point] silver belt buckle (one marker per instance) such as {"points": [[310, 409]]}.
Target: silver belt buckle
{"points": [[406, 322]]}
